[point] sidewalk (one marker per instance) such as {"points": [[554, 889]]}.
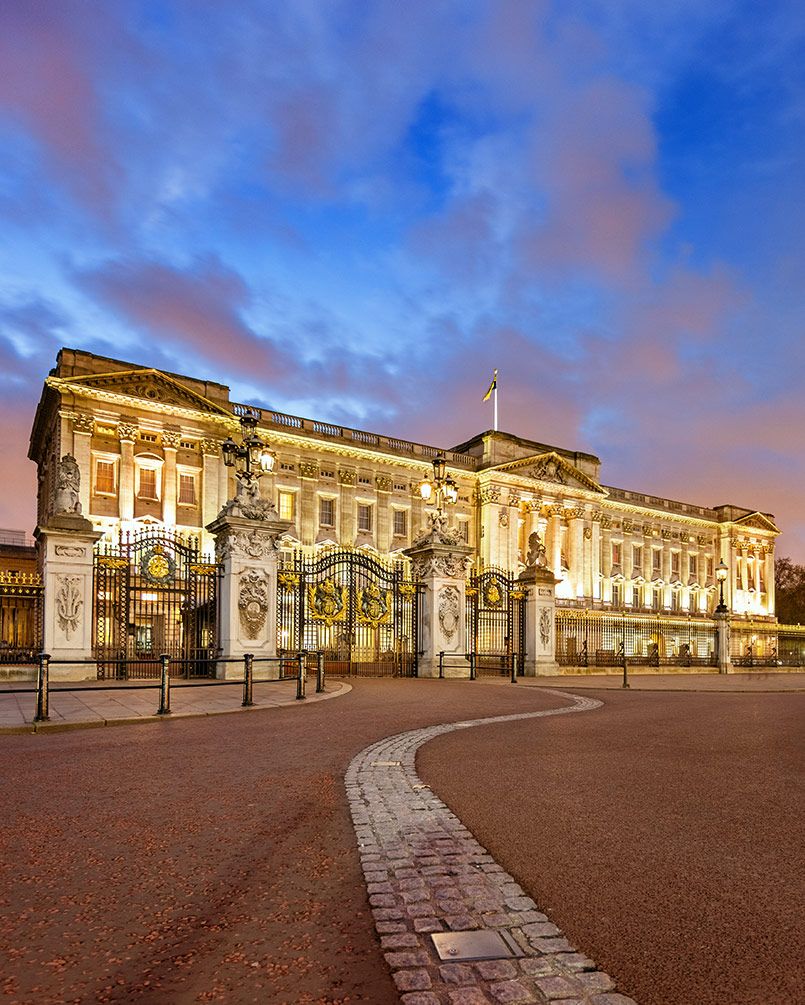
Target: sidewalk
{"points": [[85, 705], [756, 681]]}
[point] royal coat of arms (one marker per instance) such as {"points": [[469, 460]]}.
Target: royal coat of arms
{"points": [[374, 606], [492, 594], [327, 602]]}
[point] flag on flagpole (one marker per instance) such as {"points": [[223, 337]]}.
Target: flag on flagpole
{"points": [[492, 387]]}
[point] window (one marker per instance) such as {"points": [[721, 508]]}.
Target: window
{"points": [[363, 480], [464, 530], [637, 556], [327, 512], [616, 554], [656, 560], [656, 601], [148, 484], [105, 477], [400, 523], [693, 565], [675, 600], [709, 566], [617, 594], [364, 517], [285, 505], [635, 596], [187, 489], [675, 562], [327, 474]]}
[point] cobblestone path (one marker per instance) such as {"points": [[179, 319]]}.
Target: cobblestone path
{"points": [[426, 873]]}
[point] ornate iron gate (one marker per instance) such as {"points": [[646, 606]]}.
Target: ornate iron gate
{"points": [[360, 612], [154, 593], [496, 621]]}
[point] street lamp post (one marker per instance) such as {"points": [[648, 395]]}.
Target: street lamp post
{"points": [[721, 575], [440, 487], [251, 458]]}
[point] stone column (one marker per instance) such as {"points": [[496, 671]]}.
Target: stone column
{"points": [[595, 556], [722, 620], [540, 621], [606, 557], [575, 519], [666, 570], [769, 558], [383, 529], [757, 555], [439, 560], [210, 501], [744, 565], [556, 512], [170, 445], [247, 601], [66, 559], [308, 515], [83, 426], [127, 434], [346, 506]]}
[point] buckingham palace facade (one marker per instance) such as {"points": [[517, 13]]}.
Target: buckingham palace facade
{"points": [[148, 448]]}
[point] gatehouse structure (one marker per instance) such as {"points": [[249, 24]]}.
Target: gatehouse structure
{"points": [[140, 450]]}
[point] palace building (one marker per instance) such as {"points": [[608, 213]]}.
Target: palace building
{"points": [[148, 448]]}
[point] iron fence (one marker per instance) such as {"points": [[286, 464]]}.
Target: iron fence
{"points": [[21, 611], [496, 621], [593, 639], [763, 644]]}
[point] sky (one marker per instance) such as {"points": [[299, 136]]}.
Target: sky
{"points": [[354, 211]]}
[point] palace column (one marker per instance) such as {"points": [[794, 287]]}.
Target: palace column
{"points": [[606, 557], [666, 568], [308, 517], [744, 565], [346, 505], [575, 533], [127, 434], [384, 485], [595, 555], [768, 553], [555, 514], [210, 501], [756, 552], [170, 445], [83, 426]]}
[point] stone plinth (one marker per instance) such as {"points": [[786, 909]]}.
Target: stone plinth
{"points": [[247, 603], [540, 621], [439, 560], [66, 558]]}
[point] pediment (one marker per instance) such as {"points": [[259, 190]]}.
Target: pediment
{"points": [[147, 385], [551, 467], [759, 521]]}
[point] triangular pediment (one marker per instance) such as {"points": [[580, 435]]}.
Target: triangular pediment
{"points": [[551, 467], [759, 521], [147, 385]]}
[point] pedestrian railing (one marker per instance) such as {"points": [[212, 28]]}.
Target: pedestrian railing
{"points": [[303, 662], [509, 664]]}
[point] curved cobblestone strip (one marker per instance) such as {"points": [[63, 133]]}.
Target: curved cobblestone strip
{"points": [[426, 873]]}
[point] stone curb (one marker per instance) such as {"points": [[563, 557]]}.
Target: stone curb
{"points": [[131, 720], [426, 873]]}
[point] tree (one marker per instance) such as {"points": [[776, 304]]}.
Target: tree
{"points": [[789, 584]]}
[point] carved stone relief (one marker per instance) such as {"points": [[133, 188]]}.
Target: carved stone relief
{"points": [[449, 611], [449, 566], [308, 469], [545, 626], [503, 518], [253, 601], [210, 446], [346, 477], [70, 551], [127, 431], [171, 439], [83, 423], [68, 604], [249, 543], [384, 483]]}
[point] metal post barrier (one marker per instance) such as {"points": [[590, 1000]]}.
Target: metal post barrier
{"points": [[301, 672], [42, 686], [472, 666], [319, 672], [248, 680], [441, 666], [514, 668], [165, 686], [623, 664]]}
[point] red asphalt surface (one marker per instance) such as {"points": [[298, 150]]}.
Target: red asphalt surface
{"points": [[663, 833], [214, 859]]}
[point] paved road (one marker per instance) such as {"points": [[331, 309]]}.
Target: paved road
{"points": [[214, 859], [204, 860], [663, 833]]}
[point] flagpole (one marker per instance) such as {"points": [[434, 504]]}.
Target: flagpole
{"points": [[495, 392]]}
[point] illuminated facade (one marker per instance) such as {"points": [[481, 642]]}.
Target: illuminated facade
{"points": [[148, 448]]}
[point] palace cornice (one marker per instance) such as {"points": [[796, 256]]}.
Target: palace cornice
{"points": [[535, 487], [647, 513]]}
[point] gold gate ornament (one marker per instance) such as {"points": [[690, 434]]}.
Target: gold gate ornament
{"points": [[374, 606], [327, 602]]}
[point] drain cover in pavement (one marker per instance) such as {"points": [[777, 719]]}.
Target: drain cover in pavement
{"points": [[483, 945]]}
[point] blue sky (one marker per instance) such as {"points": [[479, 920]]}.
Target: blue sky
{"points": [[354, 211]]}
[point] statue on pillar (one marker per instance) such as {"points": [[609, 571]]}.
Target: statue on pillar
{"points": [[536, 557], [68, 481]]}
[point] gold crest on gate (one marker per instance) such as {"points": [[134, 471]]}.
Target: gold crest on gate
{"points": [[374, 606], [327, 602], [492, 594]]}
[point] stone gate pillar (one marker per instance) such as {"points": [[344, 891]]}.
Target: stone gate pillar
{"points": [[439, 559], [65, 545], [722, 620], [246, 549], [540, 611]]}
